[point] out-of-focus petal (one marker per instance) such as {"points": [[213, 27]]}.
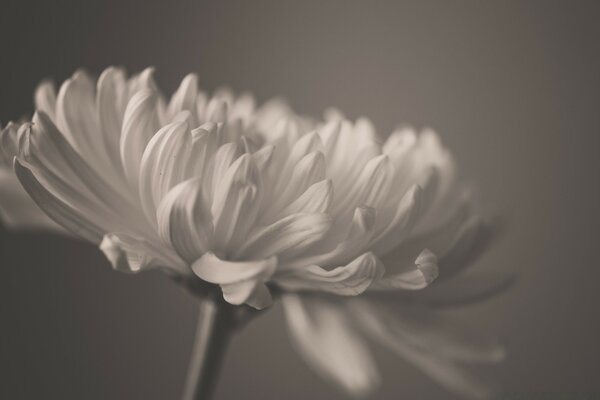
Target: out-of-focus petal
{"points": [[323, 335], [45, 98], [440, 368]]}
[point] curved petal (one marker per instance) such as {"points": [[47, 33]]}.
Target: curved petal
{"points": [[110, 106], [347, 280], [323, 336], [17, 210], [140, 123], [184, 220], [45, 98], [316, 199], [162, 166], [286, 237], [131, 254], [56, 209], [411, 277], [241, 282]]}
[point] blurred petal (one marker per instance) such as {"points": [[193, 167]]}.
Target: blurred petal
{"points": [[441, 369], [323, 336], [45, 98]]}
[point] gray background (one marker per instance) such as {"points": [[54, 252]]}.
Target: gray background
{"points": [[512, 87]]}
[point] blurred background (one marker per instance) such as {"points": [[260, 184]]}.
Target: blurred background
{"points": [[513, 88]]}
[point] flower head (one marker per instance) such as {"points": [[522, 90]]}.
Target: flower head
{"points": [[255, 199]]}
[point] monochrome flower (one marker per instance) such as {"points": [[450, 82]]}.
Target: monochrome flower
{"points": [[261, 201]]}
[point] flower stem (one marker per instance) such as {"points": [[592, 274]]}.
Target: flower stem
{"points": [[213, 330]]}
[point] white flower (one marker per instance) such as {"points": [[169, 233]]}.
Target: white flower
{"points": [[260, 200]]}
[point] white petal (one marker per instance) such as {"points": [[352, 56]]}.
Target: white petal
{"points": [[65, 173], [439, 368], [163, 165], [18, 210], [185, 221], [224, 157], [323, 336], [286, 237], [57, 210], [110, 103], [409, 277], [371, 187], [357, 236], [77, 119], [134, 254], [316, 199], [346, 280], [140, 123], [185, 96], [241, 282], [235, 204], [45, 98], [401, 224], [223, 272], [309, 170]]}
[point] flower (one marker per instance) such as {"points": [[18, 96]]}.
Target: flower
{"points": [[259, 200]]}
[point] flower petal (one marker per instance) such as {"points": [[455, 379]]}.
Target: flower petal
{"points": [[286, 237], [400, 226], [65, 173], [45, 98], [17, 210], [235, 204], [140, 123], [223, 272], [316, 199], [163, 165], [110, 103], [323, 336], [241, 282], [185, 221], [441, 369], [131, 254], [411, 277], [347, 280], [56, 209]]}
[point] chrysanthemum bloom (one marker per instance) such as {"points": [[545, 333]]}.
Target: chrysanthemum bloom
{"points": [[260, 201]]}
